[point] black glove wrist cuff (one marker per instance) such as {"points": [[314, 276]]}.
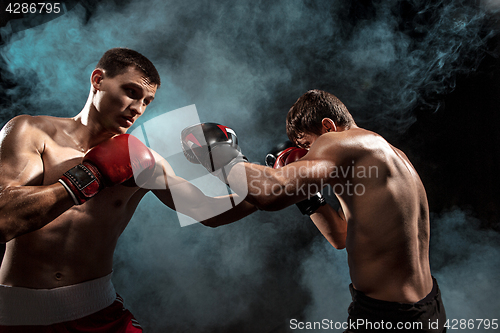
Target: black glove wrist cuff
{"points": [[82, 182], [309, 206], [223, 173]]}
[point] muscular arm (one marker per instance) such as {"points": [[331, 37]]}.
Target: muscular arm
{"points": [[25, 205], [331, 224], [274, 189], [191, 201]]}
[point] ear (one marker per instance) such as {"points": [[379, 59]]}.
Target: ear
{"points": [[328, 125], [96, 78]]}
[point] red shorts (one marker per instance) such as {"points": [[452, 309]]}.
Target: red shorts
{"points": [[113, 319]]}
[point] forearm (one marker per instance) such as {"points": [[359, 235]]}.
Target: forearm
{"points": [[28, 208], [270, 189], [331, 225], [189, 200]]}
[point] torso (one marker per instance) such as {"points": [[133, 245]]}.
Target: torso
{"points": [[79, 244], [388, 219]]}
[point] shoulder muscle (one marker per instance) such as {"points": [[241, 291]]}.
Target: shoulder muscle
{"points": [[21, 146]]}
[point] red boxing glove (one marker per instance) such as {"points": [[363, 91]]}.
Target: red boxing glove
{"points": [[109, 163], [290, 155]]}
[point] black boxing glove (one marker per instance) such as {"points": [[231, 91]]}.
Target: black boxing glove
{"points": [[212, 145], [287, 155], [309, 206]]}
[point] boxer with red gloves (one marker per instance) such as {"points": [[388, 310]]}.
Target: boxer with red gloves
{"points": [[384, 217], [68, 189]]}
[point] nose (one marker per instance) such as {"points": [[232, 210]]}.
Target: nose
{"points": [[137, 107]]}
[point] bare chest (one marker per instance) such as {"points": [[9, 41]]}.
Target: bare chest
{"points": [[110, 205], [57, 160]]}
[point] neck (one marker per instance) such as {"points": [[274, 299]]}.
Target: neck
{"points": [[344, 128], [87, 132]]}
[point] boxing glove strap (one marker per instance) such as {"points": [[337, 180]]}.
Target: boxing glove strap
{"points": [[309, 206], [82, 182], [223, 172]]}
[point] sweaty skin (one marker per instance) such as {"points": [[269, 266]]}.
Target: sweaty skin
{"points": [[383, 200], [77, 245], [50, 242]]}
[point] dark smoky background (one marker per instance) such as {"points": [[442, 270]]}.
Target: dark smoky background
{"points": [[424, 74]]}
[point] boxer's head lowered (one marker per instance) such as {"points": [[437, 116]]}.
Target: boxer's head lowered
{"points": [[307, 113]]}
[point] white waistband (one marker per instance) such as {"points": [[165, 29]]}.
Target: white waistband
{"points": [[25, 306]]}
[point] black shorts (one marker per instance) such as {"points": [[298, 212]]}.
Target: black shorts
{"points": [[371, 315]]}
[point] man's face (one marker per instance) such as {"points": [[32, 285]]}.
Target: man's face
{"points": [[122, 99]]}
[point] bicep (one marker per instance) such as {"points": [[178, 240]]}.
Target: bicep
{"points": [[20, 154]]}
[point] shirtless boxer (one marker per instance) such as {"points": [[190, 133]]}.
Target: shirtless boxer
{"points": [[384, 217], [68, 188]]}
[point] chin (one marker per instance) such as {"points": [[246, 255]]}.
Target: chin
{"points": [[117, 131], [121, 129]]}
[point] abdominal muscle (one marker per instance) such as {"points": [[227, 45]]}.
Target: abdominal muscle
{"points": [[78, 246]]}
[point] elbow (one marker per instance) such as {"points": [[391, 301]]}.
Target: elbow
{"points": [[4, 236], [338, 241], [261, 205], [211, 223], [339, 246], [274, 205], [266, 206], [269, 203]]}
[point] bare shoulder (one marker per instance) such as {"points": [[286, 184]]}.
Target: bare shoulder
{"points": [[23, 141], [24, 124], [31, 129], [348, 145], [19, 131], [27, 135]]}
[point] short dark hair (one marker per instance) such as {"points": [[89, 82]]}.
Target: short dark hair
{"points": [[310, 109], [116, 61]]}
